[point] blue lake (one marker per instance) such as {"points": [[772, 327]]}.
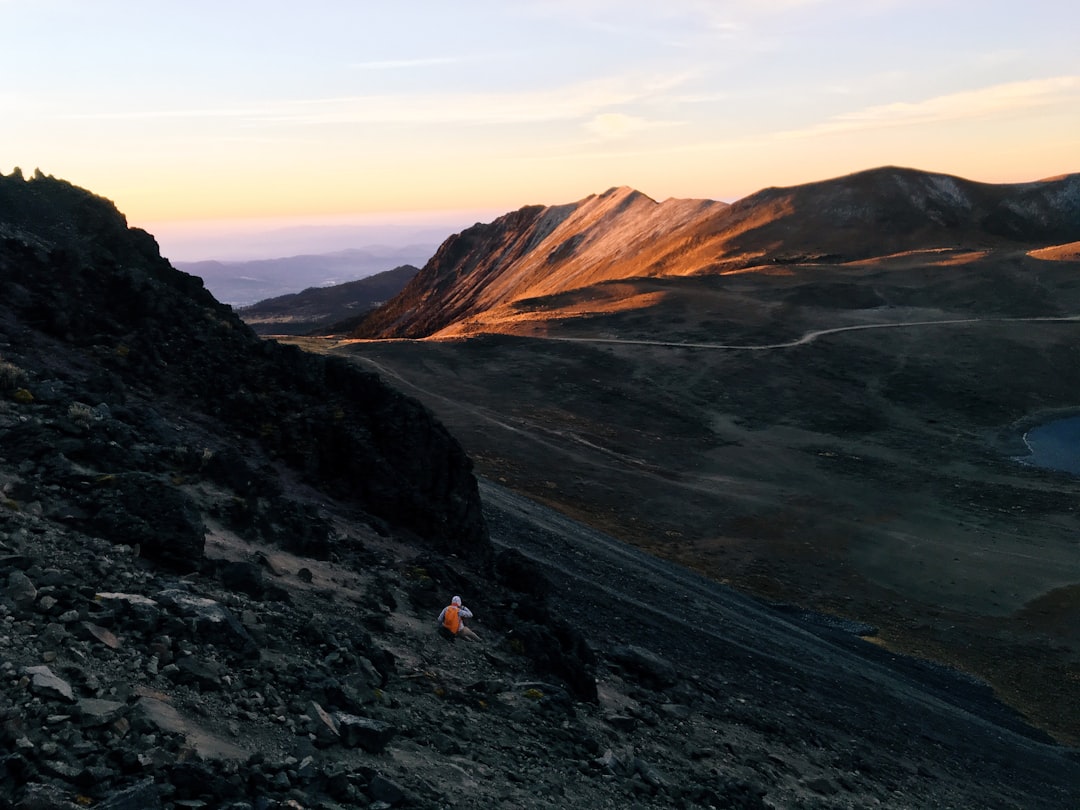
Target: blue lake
{"points": [[1055, 445]]}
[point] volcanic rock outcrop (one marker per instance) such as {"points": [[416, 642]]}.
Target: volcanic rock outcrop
{"points": [[91, 308]]}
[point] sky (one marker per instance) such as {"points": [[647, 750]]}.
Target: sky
{"points": [[205, 121]]}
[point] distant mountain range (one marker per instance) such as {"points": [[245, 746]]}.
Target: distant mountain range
{"points": [[243, 283], [338, 308], [539, 261]]}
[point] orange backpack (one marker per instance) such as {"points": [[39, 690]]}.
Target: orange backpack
{"points": [[451, 621]]}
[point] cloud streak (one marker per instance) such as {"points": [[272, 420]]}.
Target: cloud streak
{"points": [[580, 101], [617, 126], [995, 101], [399, 64]]}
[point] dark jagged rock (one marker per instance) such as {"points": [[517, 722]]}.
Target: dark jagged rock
{"points": [[72, 271], [244, 577], [47, 685], [371, 735], [141, 510], [209, 620], [557, 649]]}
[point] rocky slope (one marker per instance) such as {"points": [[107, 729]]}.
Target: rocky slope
{"points": [[220, 560], [492, 276]]}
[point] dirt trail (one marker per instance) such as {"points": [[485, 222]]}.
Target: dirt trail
{"points": [[809, 337]]}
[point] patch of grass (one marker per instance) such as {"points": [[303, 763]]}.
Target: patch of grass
{"points": [[11, 377], [80, 413]]}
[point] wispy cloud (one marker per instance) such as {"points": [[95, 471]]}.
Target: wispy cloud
{"points": [[575, 102], [994, 101], [400, 64], [616, 126]]}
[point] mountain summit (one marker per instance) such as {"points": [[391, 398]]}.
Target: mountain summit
{"points": [[492, 277]]}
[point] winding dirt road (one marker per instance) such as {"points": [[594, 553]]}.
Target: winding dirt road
{"points": [[809, 337]]}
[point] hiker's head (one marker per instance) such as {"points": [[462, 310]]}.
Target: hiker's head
{"points": [[456, 600]]}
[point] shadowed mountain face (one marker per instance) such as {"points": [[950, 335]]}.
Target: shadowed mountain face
{"points": [[73, 271], [503, 275]]}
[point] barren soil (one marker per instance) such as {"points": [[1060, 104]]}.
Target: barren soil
{"points": [[841, 438]]}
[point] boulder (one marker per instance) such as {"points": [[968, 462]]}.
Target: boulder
{"points": [[20, 589], [204, 674], [364, 732], [141, 510], [646, 666], [213, 622]]}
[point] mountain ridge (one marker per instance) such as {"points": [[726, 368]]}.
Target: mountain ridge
{"points": [[478, 279]]}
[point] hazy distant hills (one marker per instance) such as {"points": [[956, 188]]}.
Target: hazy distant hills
{"points": [[242, 283], [493, 277], [326, 309]]}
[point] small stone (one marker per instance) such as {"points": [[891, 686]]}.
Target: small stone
{"points": [[20, 589], [95, 712], [281, 781], [45, 604], [106, 637], [45, 684], [324, 726]]}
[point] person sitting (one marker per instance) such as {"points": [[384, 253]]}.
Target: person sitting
{"points": [[451, 620]]}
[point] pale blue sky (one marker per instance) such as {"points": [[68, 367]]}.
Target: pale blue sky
{"points": [[213, 112]]}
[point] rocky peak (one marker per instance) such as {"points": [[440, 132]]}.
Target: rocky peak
{"points": [[485, 278]]}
